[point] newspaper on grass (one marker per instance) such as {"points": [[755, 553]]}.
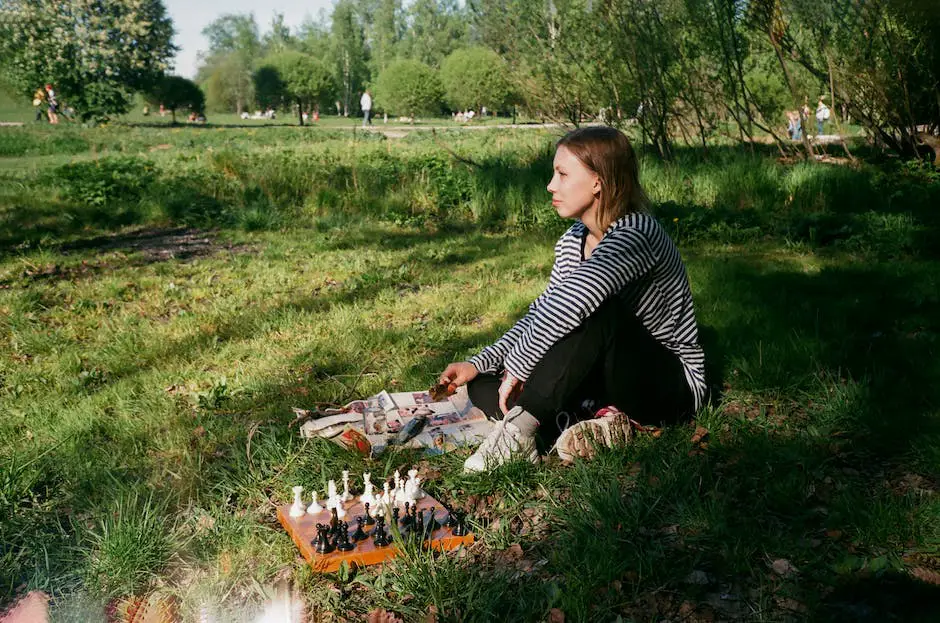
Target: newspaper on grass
{"points": [[451, 422]]}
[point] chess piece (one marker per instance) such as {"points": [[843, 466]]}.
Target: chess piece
{"points": [[407, 518], [334, 521], [432, 523], [460, 526], [359, 534], [298, 509], [418, 491], [367, 496], [395, 513], [314, 508], [345, 497], [380, 537], [420, 528], [369, 519], [340, 511], [323, 544], [342, 543]]}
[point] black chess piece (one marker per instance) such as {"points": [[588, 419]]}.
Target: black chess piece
{"points": [[432, 522], [407, 518], [343, 543], [451, 520], [334, 522], [370, 520], [379, 537], [395, 513], [323, 544], [359, 534], [460, 527], [420, 528]]}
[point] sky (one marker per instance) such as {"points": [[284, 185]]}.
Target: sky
{"points": [[191, 16]]}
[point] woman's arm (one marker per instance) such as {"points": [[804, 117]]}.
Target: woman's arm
{"points": [[624, 255]]}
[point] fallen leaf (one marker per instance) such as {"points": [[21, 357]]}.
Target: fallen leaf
{"points": [[783, 567], [698, 577], [699, 435], [431, 615], [555, 615], [380, 615], [926, 575]]}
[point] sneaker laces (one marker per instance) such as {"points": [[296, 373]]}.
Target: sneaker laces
{"points": [[563, 416]]}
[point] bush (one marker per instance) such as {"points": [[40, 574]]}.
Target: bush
{"points": [[408, 88], [99, 182]]}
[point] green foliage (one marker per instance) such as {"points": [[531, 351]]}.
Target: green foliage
{"points": [[234, 46], [176, 92], [100, 182], [407, 88], [291, 77], [96, 54], [476, 77], [129, 545]]}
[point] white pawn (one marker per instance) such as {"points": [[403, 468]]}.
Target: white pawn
{"points": [[298, 509], [331, 499], [314, 508], [346, 495], [340, 511], [418, 491], [367, 496]]}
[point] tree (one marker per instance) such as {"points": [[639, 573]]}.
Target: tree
{"points": [[409, 87], [95, 53], [436, 28], [292, 77], [234, 46], [476, 77], [175, 92], [349, 52]]}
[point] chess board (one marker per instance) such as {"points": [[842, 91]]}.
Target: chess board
{"points": [[303, 530]]}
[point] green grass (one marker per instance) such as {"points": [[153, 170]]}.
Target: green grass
{"points": [[146, 382]]}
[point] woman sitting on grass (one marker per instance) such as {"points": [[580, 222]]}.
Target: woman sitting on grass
{"points": [[615, 325]]}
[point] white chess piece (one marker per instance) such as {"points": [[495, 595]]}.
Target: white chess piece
{"points": [[314, 508], [331, 499], [418, 491], [346, 495], [367, 496], [298, 509], [340, 511]]}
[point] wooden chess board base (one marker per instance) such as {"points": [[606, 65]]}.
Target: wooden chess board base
{"points": [[303, 530]]}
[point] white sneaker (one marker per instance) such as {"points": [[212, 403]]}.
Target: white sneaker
{"points": [[505, 443], [584, 438]]}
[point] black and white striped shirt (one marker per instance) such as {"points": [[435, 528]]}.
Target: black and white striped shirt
{"points": [[635, 261]]}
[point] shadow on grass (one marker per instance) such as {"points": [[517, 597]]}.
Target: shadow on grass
{"points": [[824, 468]]}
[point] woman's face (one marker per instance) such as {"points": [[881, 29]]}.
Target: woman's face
{"points": [[575, 188]]}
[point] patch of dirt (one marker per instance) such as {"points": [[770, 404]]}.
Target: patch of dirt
{"points": [[157, 244], [151, 244]]}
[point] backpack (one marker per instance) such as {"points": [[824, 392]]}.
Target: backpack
{"points": [[825, 113]]}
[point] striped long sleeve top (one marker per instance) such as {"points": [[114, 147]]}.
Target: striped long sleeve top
{"points": [[635, 261]]}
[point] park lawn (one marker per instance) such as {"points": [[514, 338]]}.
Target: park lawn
{"points": [[146, 383]]}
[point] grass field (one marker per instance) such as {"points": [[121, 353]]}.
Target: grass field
{"points": [[167, 295]]}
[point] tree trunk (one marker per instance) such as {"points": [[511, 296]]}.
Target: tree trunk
{"points": [[300, 112]]}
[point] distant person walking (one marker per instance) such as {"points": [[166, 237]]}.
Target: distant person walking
{"points": [[822, 115], [53, 109], [794, 127], [365, 102], [38, 98]]}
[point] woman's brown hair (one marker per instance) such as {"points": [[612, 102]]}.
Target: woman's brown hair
{"points": [[607, 152]]}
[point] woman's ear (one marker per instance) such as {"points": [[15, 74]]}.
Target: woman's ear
{"points": [[597, 185]]}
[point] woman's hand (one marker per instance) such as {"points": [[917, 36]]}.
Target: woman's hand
{"points": [[510, 386], [459, 373]]}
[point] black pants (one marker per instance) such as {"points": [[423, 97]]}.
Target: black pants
{"points": [[611, 359]]}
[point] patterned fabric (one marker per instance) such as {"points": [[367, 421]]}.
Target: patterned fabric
{"points": [[636, 262]]}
